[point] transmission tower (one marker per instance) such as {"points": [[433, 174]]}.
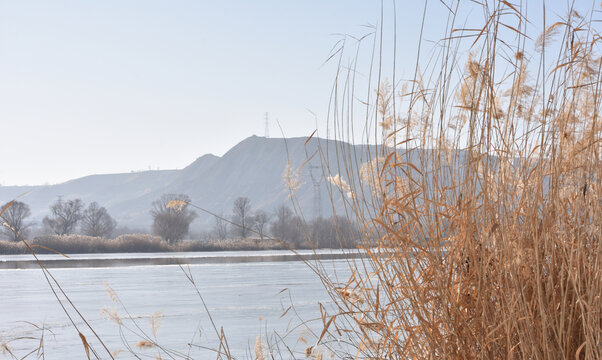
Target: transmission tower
{"points": [[267, 126], [317, 196]]}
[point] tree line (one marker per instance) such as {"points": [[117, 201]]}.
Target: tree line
{"points": [[172, 215], [282, 224], [65, 217]]}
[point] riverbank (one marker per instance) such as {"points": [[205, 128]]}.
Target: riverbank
{"points": [[139, 243]]}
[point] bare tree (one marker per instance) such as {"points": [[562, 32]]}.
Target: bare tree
{"points": [[64, 216], [333, 232], [286, 226], [172, 216], [14, 217], [96, 221], [221, 227], [241, 216], [260, 220]]}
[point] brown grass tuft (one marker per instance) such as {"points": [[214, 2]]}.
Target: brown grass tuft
{"points": [[116, 353], [144, 344], [259, 348], [111, 314]]}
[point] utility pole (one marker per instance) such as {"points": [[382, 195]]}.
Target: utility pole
{"points": [[267, 126]]}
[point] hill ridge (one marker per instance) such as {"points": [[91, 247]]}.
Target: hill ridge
{"points": [[252, 168]]}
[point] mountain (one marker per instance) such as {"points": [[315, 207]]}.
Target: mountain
{"points": [[253, 168]]}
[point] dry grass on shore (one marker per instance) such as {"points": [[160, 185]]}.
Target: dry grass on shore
{"points": [[139, 243]]}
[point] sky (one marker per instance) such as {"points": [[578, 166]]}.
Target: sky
{"points": [[91, 87]]}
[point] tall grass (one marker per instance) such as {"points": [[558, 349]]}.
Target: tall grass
{"points": [[485, 195]]}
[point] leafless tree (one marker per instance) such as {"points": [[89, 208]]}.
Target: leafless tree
{"points": [[333, 232], [221, 227], [14, 217], [172, 216], [260, 220], [96, 221], [241, 216], [64, 216], [285, 226]]}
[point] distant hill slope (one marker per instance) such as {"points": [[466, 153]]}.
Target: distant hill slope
{"points": [[253, 168]]}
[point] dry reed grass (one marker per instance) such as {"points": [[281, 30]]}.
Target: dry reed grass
{"points": [[486, 199], [141, 243]]}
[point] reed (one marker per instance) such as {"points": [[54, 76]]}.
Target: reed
{"points": [[484, 195]]}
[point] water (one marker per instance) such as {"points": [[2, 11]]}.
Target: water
{"points": [[246, 298]]}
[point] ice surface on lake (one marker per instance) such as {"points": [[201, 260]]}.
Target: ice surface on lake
{"points": [[245, 298]]}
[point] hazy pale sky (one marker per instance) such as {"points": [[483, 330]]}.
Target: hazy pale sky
{"points": [[90, 87]]}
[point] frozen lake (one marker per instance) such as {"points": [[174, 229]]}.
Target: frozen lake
{"points": [[247, 298]]}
